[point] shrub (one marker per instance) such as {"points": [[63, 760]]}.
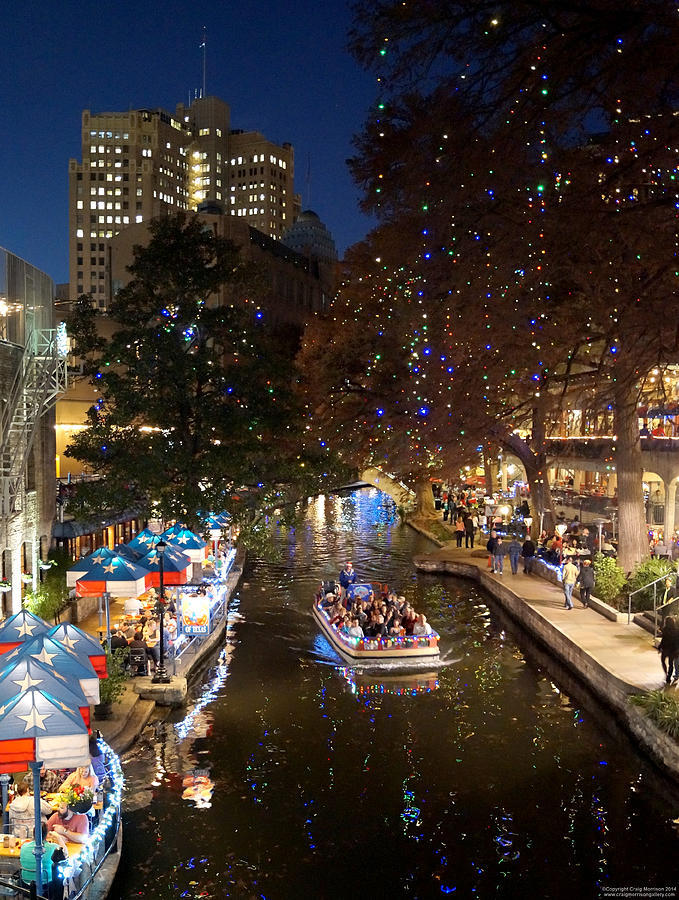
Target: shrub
{"points": [[661, 708], [609, 578], [111, 689], [645, 573]]}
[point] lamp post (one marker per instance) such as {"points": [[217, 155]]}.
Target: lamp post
{"points": [[161, 676]]}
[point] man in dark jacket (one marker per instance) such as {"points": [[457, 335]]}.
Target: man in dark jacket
{"points": [[490, 547], [528, 554], [586, 581]]}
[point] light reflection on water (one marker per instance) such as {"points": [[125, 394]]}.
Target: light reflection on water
{"points": [[481, 777]]}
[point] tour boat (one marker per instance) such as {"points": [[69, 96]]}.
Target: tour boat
{"points": [[376, 650]]}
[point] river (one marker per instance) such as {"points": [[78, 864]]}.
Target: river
{"points": [[292, 776]]}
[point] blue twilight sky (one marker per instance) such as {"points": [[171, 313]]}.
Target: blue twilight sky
{"points": [[281, 66]]}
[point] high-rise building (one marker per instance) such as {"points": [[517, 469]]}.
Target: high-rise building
{"points": [[144, 163]]}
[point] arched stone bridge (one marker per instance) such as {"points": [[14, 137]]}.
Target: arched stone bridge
{"points": [[399, 492]]}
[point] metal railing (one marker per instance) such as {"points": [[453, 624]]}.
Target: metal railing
{"points": [[654, 585]]}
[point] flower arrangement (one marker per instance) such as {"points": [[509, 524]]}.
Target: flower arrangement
{"points": [[78, 797]]}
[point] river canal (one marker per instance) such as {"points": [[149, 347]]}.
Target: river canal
{"points": [[290, 776]]}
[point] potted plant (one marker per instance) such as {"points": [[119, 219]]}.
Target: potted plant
{"points": [[111, 689], [79, 798]]}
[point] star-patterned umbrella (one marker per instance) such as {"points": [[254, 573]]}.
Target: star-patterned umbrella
{"points": [[176, 566], [116, 575], [55, 655], [189, 543], [87, 564], [22, 626], [143, 541], [84, 645], [28, 672], [219, 520], [172, 530], [36, 725]]}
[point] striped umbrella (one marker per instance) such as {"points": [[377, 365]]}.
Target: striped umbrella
{"points": [[176, 566], [94, 562], [116, 575]]}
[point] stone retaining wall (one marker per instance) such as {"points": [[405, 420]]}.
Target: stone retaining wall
{"points": [[611, 690]]}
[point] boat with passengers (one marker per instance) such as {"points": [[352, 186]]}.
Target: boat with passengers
{"points": [[389, 648]]}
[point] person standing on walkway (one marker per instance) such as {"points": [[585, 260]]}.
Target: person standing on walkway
{"points": [[586, 581], [490, 547], [514, 552], [568, 576], [668, 648], [470, 524], [499, 551], [528, 554], [459, 529]]}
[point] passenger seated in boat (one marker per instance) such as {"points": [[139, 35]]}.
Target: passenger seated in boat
{"points": [[336, 613], [376, 628], [328, 600], [409, 621], [358, 613], [355, 629], [422, 626], [395, 629]]}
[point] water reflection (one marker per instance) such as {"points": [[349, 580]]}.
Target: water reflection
{"points": [[483, 777]]}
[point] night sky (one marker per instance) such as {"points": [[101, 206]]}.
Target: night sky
{"points": [[281, 66]]}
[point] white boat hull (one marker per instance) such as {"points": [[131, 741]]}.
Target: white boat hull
{"points": [[376, 651]]}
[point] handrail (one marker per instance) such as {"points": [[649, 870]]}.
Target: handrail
{"points": [[653, 584]]}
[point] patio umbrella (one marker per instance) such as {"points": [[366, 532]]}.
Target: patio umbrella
{"points": [[176, 566], [172, 530], [116, 575], [219, 520], [19, 628], [84, 645], [189, 543], [143, 541], [93, 562], [58, 657], [36, 725], [27, 672]]}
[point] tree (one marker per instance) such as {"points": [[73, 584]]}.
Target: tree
{"points": [[483, 113], [196, 410]]}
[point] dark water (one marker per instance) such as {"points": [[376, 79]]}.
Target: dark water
{"points": [[484, 778]]}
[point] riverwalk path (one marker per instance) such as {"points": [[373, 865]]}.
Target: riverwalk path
{"points": [[611, 657]]}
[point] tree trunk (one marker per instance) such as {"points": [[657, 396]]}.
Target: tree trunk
{"points": [[535, 463], [489, 472], [633, 536], [424, 499]]}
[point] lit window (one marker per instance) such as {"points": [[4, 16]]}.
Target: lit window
{"points": [[204, 132], [138, 218], [80, 233]]}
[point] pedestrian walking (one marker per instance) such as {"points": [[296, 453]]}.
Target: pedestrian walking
{"points": [[499, 551], [490, 547], [528, 554], [514, 552], [586, 581], [668, 648], [446, 508], [568, 576]]}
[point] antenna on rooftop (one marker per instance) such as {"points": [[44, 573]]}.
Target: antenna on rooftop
{"points": [[203, 47], [308, 182]]}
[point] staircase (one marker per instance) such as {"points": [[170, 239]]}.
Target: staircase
{"points": [[39, 379]]}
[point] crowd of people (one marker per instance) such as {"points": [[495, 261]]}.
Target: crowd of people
{"points": [[60, 825], [369, 616], [140, 630]]}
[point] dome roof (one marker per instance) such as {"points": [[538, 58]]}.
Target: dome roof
{"points": [[310, 236]]}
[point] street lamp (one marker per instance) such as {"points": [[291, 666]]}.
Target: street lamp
{"points": [[161, 676]]}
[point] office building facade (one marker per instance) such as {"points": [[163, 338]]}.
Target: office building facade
{"points": [[144, 163]]}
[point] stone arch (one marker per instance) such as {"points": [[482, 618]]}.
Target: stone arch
{"points": [[399, 492]]}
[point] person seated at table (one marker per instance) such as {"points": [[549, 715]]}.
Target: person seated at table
{"points": [[421, 625], [118, 640], [83, 776], [54, 850], [129, 631], [72, 826], [50, 779], [22, 809], [132, 606]]}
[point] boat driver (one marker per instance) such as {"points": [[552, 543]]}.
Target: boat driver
{"points": [[346, 577]]}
